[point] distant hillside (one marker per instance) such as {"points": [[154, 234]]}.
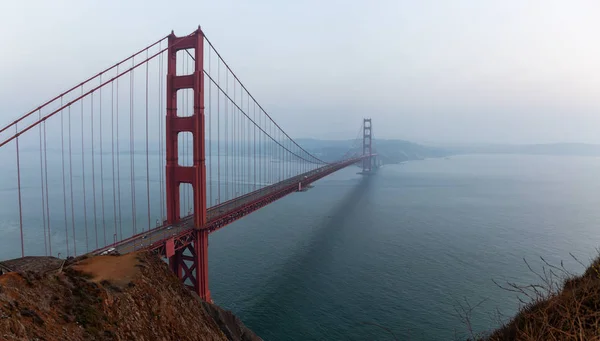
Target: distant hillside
{"points": [[579, 149], [389, 151], [395, 151]]}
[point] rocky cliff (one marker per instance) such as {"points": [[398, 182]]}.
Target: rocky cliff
{"points": [[129, 297]]}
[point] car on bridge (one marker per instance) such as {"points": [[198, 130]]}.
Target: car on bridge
{"points": [[108, 252]]}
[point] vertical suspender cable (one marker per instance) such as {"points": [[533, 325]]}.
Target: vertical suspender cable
{"points": [[132, 150], [263, 167], [112, 152], [280, 151], [159, 111], [47, 202], [273, 152], [270, 153], [147, 145], [62, 153], [83, 177], [286, 155], [102, 169], [276, 152], [264, 151], [276, 164], [118, 165], [245, 149], [226, 132], [241, 156], [267, 154], [218, 133], [71, 177], [210, 160], [254, 145], [248, 145], [244, 128], [234, 145], [160, 133], [236, 151], [234, 173], [94, 172], [19, 189], [233, 155], [242, 149], [274, 155], [46, 236], [281, 157], [261, 151], [248, 134]]}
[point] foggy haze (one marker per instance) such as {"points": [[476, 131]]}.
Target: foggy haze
{"points": [[428, 71]]}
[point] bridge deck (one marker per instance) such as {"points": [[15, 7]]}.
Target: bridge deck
{"points": [[225, 213]]}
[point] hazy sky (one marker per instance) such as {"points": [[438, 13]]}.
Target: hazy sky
{"points": [[429, 71]]}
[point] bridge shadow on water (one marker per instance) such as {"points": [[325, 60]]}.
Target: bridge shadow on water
{"points": [[291, 295]]}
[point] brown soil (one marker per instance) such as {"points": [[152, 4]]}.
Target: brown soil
{"points": [[118, 270], [130, 297]]}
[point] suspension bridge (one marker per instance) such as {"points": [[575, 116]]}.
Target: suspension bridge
{"points": [[154, 153]]}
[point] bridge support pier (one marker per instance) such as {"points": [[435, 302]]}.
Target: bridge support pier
{"points": [[190, 264], [201, 280]]}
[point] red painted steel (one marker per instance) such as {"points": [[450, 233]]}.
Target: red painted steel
{"points": [[195, 267], [367, 146], [169, 248]]}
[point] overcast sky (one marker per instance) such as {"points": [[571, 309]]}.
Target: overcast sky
{"points": [[441, 71]]}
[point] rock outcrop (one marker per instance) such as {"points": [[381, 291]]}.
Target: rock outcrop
{"points": [[129, 297]]}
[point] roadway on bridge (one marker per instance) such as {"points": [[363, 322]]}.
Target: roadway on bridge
{"points": [[162, 233]]}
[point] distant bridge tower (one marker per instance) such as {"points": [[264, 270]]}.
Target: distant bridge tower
{"points": [[367, 145]]}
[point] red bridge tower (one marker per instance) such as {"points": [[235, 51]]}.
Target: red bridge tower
{"points": [[190, 263], [367, 147]]}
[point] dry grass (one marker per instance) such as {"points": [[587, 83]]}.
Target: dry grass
{"points": [[119, 270], [561, 307]]}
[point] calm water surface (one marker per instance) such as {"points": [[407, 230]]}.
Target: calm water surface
{"points": [[402, 247]]}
